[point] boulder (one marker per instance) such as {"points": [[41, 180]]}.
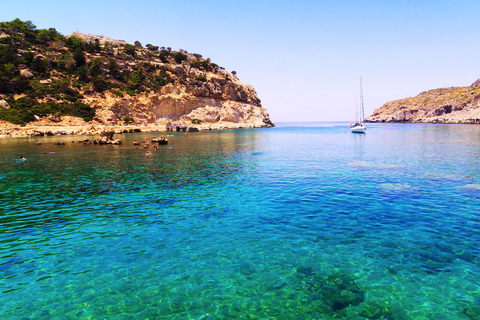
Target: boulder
{"points": [[340, 291], [26, 73], [4, 104]]}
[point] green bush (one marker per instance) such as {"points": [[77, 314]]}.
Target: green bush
{"points": [[179, 57], [79, 57], [164, 54], [95, 68], [128, 119], [99, 84], [130, 50], [152, 47], [23, 109], [117, 92]]}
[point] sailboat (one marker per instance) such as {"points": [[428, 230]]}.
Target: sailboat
{"points": [[359, 125]]}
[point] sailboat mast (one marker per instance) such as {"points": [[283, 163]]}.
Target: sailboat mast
{"points": [[361, 97], [357, 115]]}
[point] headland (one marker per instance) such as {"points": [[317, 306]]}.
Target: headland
{"points": [[78, 82], [443, 105]]}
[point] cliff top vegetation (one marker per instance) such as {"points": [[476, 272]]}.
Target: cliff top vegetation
{"points": [[43, 72]]}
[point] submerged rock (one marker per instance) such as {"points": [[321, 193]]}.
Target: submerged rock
{"points": [[375, 310], [340, 291], [247, 268], [473, 312], [308, 271]]}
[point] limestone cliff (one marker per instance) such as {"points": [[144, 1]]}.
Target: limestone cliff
{"points": [[196, 90], [96, 78], [212, 100], [444, 105]]}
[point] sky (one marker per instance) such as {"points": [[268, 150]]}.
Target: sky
{"points": [[304, 58]]}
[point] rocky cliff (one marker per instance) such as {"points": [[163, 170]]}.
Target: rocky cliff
{"points": [[445, 105], [101, 79], [212, 100]]}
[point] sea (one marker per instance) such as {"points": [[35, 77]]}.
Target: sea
{"points": [[300, 221]]}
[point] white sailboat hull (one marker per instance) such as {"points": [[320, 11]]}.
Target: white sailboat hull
{"points": [[358, 129]]}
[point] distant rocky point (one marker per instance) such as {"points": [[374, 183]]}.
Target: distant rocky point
{"points": [[94, 37], [444, 105]]}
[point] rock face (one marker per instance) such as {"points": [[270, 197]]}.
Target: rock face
{"points": [[210, 103], [4, 104], [106, 81], [210, 96], [92, 37], [444, 105]]}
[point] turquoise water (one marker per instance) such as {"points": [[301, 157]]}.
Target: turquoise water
{"points": [[301, 221]]}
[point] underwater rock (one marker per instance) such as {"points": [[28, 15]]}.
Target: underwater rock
{"points": [[467, 255], [247, 268], [160, 140], [473, 312], [340, 291], [278, 284], [375, 310], [308, 271]]}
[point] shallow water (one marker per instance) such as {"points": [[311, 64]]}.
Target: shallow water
{"points": [[244, 224]]}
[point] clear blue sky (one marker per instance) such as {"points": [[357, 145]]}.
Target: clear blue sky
{"points": [[304, 58]]}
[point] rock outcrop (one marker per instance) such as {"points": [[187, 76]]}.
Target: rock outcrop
{"points": [[211, 103], [208, 95], [93, 37], [444, 105], [110, 82]]}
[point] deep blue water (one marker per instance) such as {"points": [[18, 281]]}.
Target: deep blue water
{"points": [[301, 221]]}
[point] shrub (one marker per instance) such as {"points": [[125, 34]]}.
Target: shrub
{"points": [[23, 109], [152, 47], [117, 92], [161, 79], [95, 68], [99, 84], [179, 57], [74, 43], [130, 50], [113, 69], [164, 54], [39, 66], [79, 57], [128, 119]]}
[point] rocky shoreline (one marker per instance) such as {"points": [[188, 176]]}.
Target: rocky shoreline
{"points": [[444, 105], [75, 126], [109, 82]]}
